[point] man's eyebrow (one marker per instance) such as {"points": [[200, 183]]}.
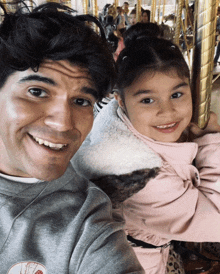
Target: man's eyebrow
{"points": [[91, 91], [50, 81], [38, 78]]}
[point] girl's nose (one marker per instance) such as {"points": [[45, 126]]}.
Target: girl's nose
{"points": [[60, 117], [166, 108]]}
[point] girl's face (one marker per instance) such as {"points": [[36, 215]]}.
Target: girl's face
{"points": [[159, 105]]}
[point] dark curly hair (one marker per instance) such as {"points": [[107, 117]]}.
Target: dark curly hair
{"points": [[50, 31]]}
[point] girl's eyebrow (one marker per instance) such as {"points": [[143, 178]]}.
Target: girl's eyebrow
{"points": [[38, 78], [183, 84], [146, 91], [142, 91]]}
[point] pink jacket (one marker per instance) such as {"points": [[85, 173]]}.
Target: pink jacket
{"points": [[181, 203]]}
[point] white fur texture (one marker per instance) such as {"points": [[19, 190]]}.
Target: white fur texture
{"points": [[112, 149]]}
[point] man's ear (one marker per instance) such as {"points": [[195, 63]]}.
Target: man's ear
{"points": [[120, 101]]}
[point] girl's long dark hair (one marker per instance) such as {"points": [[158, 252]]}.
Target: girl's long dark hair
{"points": [[145, 53]]}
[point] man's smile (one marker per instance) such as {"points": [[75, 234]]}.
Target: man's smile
{"points": [[46, 143]]}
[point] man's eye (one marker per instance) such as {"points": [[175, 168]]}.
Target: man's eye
{"points": [[82, 102], [147, 101], [176, 95], [37, 92]]}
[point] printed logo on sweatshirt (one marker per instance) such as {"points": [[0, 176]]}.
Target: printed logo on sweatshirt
{"points": [[27, 268]]}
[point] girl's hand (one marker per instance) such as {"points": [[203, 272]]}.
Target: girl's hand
{"points": [[212, 127]]}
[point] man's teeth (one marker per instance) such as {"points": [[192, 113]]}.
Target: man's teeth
{"points": [[167, 126], [49, 144]]}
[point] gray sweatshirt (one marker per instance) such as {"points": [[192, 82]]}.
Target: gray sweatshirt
{"points": [[64, 225]]}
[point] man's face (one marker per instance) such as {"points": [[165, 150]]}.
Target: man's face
{"points": [[126, 8], [133, 20], [45, 116]]}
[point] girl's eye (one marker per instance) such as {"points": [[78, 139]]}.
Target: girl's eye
{"points": [[37, 92], [147, 101], [176, 95], [82, 102]]}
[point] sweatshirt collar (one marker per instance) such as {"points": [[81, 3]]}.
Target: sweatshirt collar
{"points": [[24, 189]]}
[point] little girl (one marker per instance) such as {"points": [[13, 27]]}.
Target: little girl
{"points": [[159, 169]]}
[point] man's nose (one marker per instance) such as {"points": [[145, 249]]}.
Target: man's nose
{"points": [[60, 116]]}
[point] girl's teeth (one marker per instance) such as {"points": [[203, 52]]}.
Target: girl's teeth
{"points": [[48, 144], [40, 141], [166, 126]]}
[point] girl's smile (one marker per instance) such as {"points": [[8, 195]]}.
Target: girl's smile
{"points": [[159, 105], [168, 128]]}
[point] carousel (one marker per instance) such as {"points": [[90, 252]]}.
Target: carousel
{"points": [[191, 26]]}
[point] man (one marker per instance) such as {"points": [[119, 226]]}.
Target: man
{"points": [[53, 68], [125, 8]]}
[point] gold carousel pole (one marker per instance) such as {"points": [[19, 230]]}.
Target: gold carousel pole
{"points": [[203, 54], [186, 13], [95, 11], [164, 4], [138, 11], [175, 12], [85, 6], [94, 8], [178, 21], [158, 12], [116, 4], [153, 11]]}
